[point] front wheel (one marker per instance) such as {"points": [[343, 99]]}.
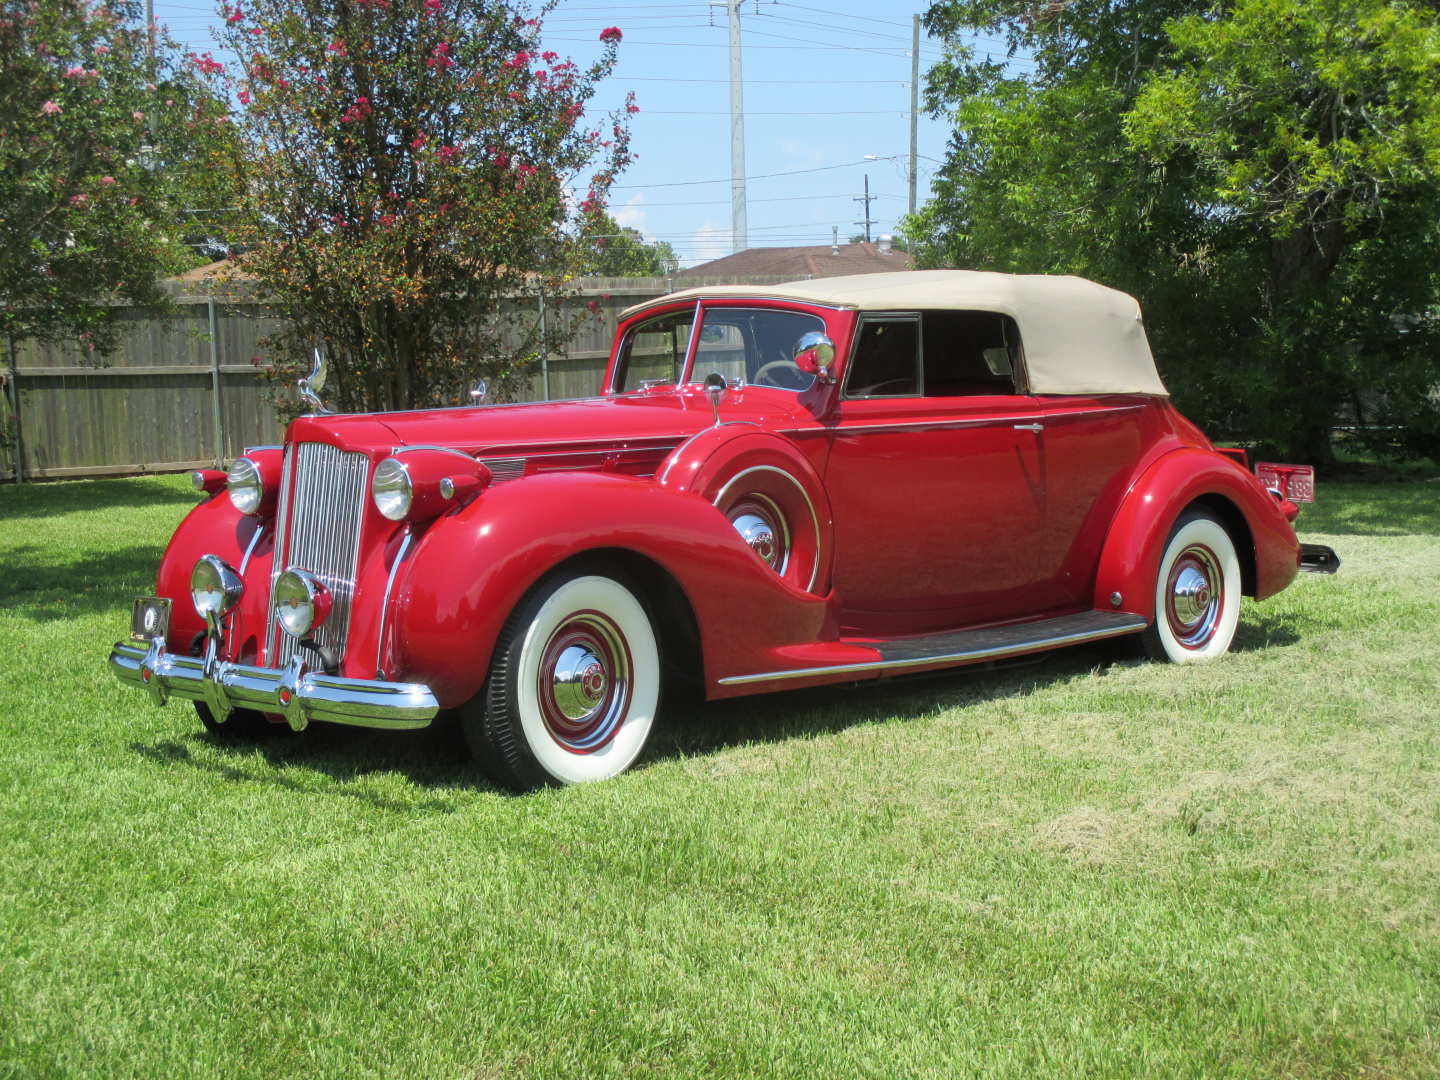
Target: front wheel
{"points": [[1197, 593], [573, 686]]}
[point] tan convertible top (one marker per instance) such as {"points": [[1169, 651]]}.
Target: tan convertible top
{"points": [[1079, 337]]}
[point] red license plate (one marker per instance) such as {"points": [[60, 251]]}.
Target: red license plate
{"points": [[1295, 482]]}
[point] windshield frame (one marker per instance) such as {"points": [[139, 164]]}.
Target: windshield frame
{"points": [[622, 353], [748, 304]]}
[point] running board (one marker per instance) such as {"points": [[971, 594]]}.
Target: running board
{"points": [[967, 646]]}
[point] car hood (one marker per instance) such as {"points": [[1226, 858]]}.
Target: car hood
{"points": [[654, 417]]}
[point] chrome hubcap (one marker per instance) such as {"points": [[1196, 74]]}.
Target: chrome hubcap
{"points": [[762, 526], [584, 682], [756, 532], [579, 682], [1195, 596]]}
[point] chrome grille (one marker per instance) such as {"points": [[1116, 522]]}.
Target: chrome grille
{"points": [[319, 527]]}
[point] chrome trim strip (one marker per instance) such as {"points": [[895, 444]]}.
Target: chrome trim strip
{"points": [[676, 453], [814, 518], [250, 547], [291, 691], [918, 425], [968, 655], [426, 446], [385, 603]]}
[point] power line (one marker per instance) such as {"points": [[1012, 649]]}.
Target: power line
{"points": [[757, 176]]}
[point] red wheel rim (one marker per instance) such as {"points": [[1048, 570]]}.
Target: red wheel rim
{"points": [[583, 684], [1194, 596]]}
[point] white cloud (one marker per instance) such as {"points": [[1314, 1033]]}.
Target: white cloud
{"points": [[631, 213], [709, 241]]}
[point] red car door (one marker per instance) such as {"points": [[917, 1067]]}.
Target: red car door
{"points": [[936, 487]]}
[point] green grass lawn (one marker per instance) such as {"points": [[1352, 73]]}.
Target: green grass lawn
{"points": [[1072, 867]]}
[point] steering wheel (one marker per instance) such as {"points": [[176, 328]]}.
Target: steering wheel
{"points": [[774, 366]]}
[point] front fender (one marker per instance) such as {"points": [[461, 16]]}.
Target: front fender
{"points": [[1135, 543], [471, 569], [215, 527]]}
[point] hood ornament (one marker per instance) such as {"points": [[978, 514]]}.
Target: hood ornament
{"points": [[478, 392], [311, 386]]}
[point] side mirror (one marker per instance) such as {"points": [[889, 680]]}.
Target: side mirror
{"points": [[715, 391], [815, 355]]}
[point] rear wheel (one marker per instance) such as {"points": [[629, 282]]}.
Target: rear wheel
{"points": [[1197, 592], [573, 686]]}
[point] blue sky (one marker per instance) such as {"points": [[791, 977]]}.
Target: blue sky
{"points": [[826, 83]]}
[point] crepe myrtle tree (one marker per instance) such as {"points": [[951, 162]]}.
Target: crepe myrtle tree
{"points": [[417, 177], [105, 153]]}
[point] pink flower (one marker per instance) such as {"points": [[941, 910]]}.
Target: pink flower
{"points": [[102, 50], [388, 220], [137, 116], [432, 5], [337, 46], [169, 101], [611, 33], [592, 306], [447, 154], [107, 180], [418, 143], [50, 108], [232, 15], [243, 96], [75, 71], [79, 200], [440, 57]]}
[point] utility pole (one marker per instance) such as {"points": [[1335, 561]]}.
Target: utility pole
{"points": [[150, 28], [914, 105], [867, 199], [739, 228]]}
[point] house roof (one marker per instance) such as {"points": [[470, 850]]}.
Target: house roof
{"points": [[1078, 337], [802, 262]]}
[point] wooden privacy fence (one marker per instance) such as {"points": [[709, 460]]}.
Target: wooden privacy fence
{"points": [[186, 387]]}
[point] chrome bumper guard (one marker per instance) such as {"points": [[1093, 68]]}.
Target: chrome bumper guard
{"points": [[291, 691]]}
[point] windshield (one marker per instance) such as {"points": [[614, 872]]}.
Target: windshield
{"points": [[654, 351], [755, 345]]}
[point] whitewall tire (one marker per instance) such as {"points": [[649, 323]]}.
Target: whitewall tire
{"points": [[573, 687], [1197, 592]]}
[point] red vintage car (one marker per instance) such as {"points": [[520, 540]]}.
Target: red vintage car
{"points": [[781, 486]]}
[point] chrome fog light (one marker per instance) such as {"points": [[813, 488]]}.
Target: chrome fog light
{"points": [[391, 489], [214, 588], [246, 488], [301, 602]]}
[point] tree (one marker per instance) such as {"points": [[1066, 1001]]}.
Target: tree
{"points": [[409, 178], [620, 251], [102, 153], [1263, 174]]}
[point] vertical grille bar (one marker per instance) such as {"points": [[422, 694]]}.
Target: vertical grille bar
{"points": [[323, 518]]}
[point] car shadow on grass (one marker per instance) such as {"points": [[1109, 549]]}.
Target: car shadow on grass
{"points": [[436, 758], [330, 760]]}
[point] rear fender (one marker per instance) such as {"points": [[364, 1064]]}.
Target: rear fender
{"points": [[726, 463], [1135, 542], [469, 571]]}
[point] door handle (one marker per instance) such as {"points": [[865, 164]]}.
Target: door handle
{"points": [[1037, 428]]}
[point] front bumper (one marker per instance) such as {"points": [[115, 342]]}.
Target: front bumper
{"points": [[291, 691]]}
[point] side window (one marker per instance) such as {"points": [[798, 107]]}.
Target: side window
{"points": [[655, 351], [971, 353], [886, 361]]}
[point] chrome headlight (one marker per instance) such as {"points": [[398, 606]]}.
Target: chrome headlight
{"points": [[214, 587], [246, 488], [391, 489], [301, 602]]}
